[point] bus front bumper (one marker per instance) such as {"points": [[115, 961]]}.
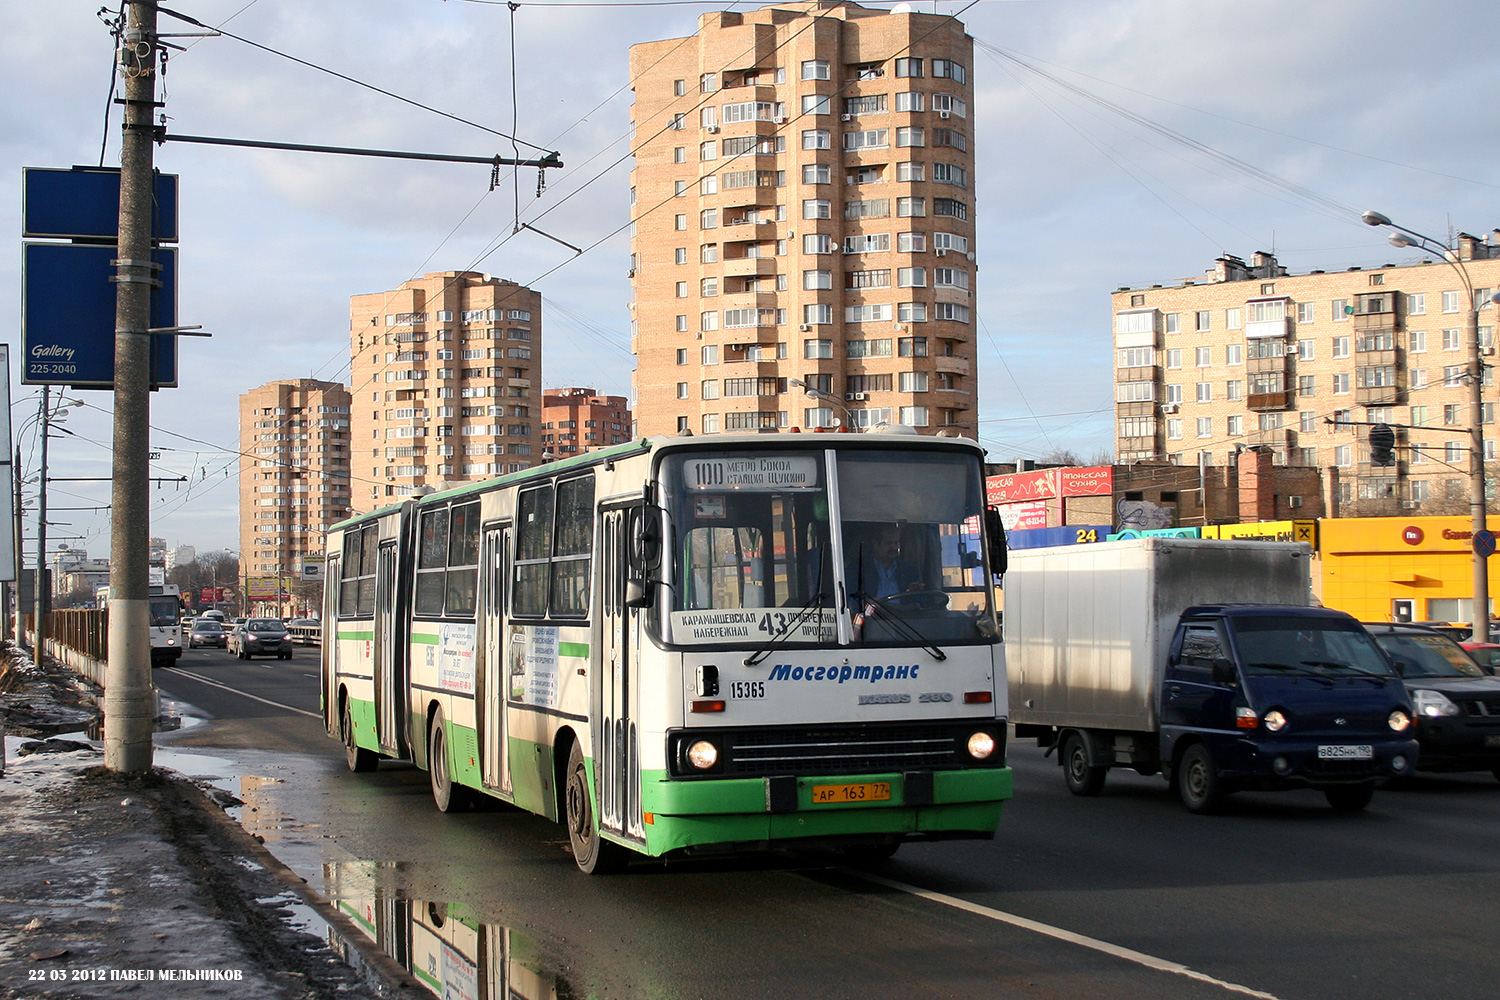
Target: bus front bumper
{"points": [[764, 812]]}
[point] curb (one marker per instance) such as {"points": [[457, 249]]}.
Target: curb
{"points": [[375, 967]]}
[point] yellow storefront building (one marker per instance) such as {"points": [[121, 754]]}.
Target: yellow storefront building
{"points": [[1399, 568]]}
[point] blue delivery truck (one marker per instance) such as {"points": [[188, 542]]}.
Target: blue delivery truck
{"points": [[1202, 661]]}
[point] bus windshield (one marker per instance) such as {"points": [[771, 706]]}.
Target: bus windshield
{"points": [[164, 611], [753, 552]]}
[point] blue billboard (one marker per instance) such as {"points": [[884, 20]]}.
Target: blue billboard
{"points": [[83, 203], [68, 315]]}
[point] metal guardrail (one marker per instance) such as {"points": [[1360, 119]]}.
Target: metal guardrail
{"points": [[306, 635]]}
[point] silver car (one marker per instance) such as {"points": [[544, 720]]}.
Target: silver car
{"points": [[261, 637]]}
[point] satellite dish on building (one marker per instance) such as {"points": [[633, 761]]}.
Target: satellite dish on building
{"points": [[901, 8]]}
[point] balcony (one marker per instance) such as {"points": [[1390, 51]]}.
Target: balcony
{"points": [[1142, 373], [1374, 322], [951, 364], [1265, 401], [1380, 395], [1260, 329], [747, 266], [749, 300]]}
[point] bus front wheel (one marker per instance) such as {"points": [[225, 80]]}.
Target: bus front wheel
{"points": [[594, 854], [358, 757]]}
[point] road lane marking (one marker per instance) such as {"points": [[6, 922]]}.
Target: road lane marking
{"points": [[244, 694], [1024, 923]]}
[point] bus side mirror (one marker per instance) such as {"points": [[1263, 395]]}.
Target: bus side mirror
{"points": [[995, 529], [645, 555]]}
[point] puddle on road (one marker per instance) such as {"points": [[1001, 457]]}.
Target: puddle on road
{"points": [[446, 948]]}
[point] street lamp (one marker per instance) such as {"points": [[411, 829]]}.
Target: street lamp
{"points": [[1404, 238], [826, 397]]}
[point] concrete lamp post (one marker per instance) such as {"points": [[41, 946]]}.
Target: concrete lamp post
{"points": [[1404, 238], [826, 397]]}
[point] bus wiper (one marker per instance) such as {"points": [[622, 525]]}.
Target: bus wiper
{"points": [[904, 627], [815, 601]]}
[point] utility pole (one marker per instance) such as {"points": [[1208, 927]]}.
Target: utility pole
{"points": [[40, 592], [17, 633], [127, 688]]}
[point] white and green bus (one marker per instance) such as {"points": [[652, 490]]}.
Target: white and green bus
{"points": [[688, 644]]}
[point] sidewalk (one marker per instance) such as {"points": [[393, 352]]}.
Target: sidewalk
{"points": [[140, 886]]}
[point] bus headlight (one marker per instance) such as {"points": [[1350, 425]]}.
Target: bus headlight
{"points": [[981, 745], [702, 754]]}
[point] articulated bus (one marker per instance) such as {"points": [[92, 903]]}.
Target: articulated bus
{"points": [[688, 644]]}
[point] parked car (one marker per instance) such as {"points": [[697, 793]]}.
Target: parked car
{"points": [[1486, 654], [1457, 631], [261, 637], [1457, 704], [208, 633]]}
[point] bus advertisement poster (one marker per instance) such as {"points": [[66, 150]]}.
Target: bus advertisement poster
{"points": [[455, 652]]}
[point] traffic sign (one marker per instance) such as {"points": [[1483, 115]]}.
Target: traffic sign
{"points": [[1484, 542], [84, 204]]}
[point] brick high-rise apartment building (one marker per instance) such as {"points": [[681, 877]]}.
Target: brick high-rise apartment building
{"points": [[445, 373], [803, 203], [1251, 356], [294, 472], [575, 421]]}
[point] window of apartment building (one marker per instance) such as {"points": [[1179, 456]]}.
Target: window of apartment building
{"points": [[1135, 392], [1452, 340], [682, 390], [1174, 357], [914, 416], [910, 136], [1202, 320], [1419, 489], [951, 311], [1203, 357], [1309, 421], [1205, 427], [708, 321], [817, 138], [1234, 425], [1204, 392], [1340, 347], [1343, 455], [911, 242], [1453, 375], [950, 277], [1174, 429], [950, 207], [867, 104], [817, 208], [913, 382], [880, 278], [1375, 376], [911, 208], [1342, 420], [869, 312], [1266, 382], [679, 222], [682, 356], [1307, 457], [708, 150], [912, 347], [1450, 414], [818, 243], [815, 69], [708, 219], [679, 256], [908, 67], [1306, 312], [1173, 394], [817, 348], [909, 100], [911, 277], [816, 104], [867, 243], [817, 279], [948, 69], [682, 290], [1416, 305], [682, 324], [1306, 350], [1270, 421], [1419, 416], [1341, 383], [710, 354], [1453, 452], [878, 347], [872, 208], [1307, 385], [817, 313], [1233, 319], [817, 173], [708, 253], [708, 287], [1451, 301], [1137, 357], [873, 138], [1234, 390], [1340, 310]]}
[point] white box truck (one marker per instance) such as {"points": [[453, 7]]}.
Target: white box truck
{"points": [[1199, 659]]}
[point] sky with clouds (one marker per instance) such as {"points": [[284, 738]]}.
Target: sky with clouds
{"points": [[1117, 142]]}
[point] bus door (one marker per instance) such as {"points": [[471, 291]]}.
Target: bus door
{"points": [[328, 647], [613, 677], [390, 680], [493, 680]]}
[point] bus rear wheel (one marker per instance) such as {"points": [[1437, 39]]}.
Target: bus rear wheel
{"points": [[448, 796], [594, 854], [358, 757]]}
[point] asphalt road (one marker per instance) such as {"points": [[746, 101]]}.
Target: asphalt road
{"points": [[1127, 895]]}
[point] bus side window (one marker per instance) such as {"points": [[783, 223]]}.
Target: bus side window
{"points": [[574, 547]]}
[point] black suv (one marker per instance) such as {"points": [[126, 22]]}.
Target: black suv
{"points": [[1457, 704]]}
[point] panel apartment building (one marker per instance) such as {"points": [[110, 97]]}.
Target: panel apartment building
{"points": [[444, 374], [1251, 356], [803, 209], [294, 472], [579, 420]]}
